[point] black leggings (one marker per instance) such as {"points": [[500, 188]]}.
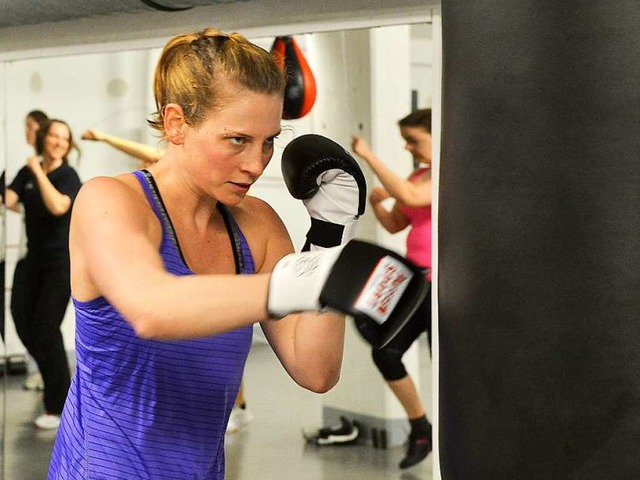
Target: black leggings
{"points": [[17, 299], [389, 358], [45, 299], [2, 268]]}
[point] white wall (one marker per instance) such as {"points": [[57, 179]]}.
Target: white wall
{"points": [[424, 63]]}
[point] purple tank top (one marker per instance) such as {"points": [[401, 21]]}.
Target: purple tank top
{"points": [[145, 409]]}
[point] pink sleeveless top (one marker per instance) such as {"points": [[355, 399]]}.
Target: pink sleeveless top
{"points": [[419, 237]]}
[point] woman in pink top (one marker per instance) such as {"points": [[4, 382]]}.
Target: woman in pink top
{"points": [[411, 209]]}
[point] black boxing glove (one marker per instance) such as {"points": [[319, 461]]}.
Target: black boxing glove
{"points": [[331, 185], [374, 285]]}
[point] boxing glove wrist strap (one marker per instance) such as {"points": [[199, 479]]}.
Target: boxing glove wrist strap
{"points": [[324, 234]]}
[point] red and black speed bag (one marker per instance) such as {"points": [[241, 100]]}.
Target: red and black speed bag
{"points": [[300, 91]]}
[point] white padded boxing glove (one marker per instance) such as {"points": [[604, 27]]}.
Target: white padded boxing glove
{"points": [[372, 284], [331, 185]]}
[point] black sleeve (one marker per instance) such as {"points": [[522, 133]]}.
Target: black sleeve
{"points": [[69, 183], [18, 183]]}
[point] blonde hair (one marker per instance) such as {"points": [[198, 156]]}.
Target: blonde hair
{"points": [[193, 66]]}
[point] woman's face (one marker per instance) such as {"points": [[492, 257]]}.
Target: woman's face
{"points": [[31, 127], [418, 143], [229, 151], [57, 142]]}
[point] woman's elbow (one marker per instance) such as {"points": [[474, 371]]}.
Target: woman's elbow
{"points": [[322, 383], [415, 199], [59, 212], [143, 327], [144, 324], [60, 209], [394, 228]]}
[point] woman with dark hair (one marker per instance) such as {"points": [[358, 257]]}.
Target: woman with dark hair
{"points": [[33, 122], [411, 209], [47, 187]]}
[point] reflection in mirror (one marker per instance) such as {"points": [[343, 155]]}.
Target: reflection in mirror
{"points": [[3, 358], [111, 93]]}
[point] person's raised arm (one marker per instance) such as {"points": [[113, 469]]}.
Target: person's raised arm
{"points": [[309, 345], [114, 242], [409, 193], [145, 153], [392, 220], [114, 253], [55, 201]]}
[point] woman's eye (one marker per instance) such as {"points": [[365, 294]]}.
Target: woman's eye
{"points": [[238, 140], [269, 142]]}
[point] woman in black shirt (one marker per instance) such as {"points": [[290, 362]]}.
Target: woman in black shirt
{"points": [[47, 187]]}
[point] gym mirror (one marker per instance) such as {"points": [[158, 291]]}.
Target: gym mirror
{"points": [[110, 92]]}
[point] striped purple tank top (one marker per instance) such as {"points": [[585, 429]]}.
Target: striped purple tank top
{"points": [[145, 409]]}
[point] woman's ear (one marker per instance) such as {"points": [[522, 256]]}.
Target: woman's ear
{"points": [[174, 123]]}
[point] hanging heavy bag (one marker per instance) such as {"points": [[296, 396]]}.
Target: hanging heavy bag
{"points": [[300, 90]]}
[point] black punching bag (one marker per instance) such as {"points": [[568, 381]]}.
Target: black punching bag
{"points": [[300, 91], [539, 240]]}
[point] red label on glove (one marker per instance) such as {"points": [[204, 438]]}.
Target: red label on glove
{"points": [[383, 290]]}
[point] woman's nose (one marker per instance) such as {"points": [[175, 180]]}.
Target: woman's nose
{"points": [[254, 163]]}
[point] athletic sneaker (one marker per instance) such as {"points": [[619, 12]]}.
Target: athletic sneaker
{"points": [[34, 382], [240, 418], [347, 432], [47, 421], [417, 451]]}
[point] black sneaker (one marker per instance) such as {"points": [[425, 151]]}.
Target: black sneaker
{"points": [[417, 451], [346, 433]]}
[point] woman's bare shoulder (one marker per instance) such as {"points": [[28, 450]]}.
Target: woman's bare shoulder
{"points": [[108, 187], [264, 230], [121, 193], [257, 211]]}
